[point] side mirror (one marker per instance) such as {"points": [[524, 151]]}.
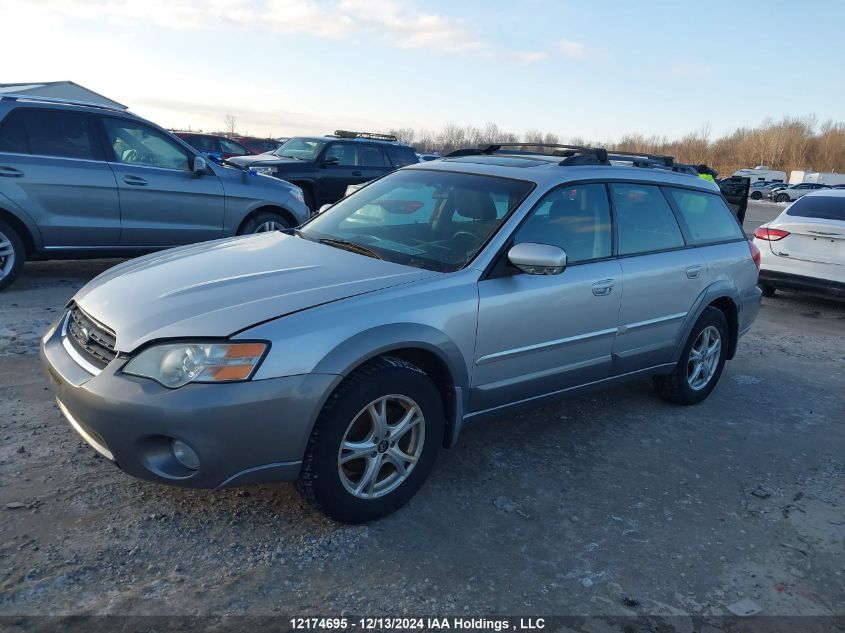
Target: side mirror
{"points": [[329, 161], [538, 259], [324, 207], [200, 166]]}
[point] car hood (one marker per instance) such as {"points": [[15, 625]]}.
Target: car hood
{"points": [[215, 289]]}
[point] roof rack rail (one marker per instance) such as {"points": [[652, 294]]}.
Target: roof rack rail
{"points": [[572, 154], [665, 161], [370, 135], [37, 99]]}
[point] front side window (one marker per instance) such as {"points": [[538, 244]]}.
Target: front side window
{"points": [[707, 217], [344, 153], [137, 144], [644, 220], [58, 133], [576, 218], [428, 219], [13, 134], [300, 148], [821, 207]]}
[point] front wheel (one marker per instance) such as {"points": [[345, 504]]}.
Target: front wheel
{"points": [[374, 443], [12, 254], [756, 195], [264, 222], [782, 197], [701, 364]]}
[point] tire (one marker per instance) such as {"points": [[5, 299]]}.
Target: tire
{"points": [[264, 222], [309, 199], [12, 254], [768, 291], [678, 386], [756, 195], [347, 418], [782, 197]]}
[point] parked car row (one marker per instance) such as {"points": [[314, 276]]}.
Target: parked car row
{"points": [[219, 147], [78, 180]]}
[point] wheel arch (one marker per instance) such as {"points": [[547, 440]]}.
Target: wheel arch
{"points": [[725, 298], [427, 348], [26, 233], [269, 208]]}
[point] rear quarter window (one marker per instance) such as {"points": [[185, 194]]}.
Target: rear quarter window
{"points": [[13, 134], [402, 156], [706, 216], [820, 207]]}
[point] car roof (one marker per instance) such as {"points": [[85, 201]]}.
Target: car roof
{"points": [[546, 170]]}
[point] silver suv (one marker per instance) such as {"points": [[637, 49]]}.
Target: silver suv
{"points": [[82, 179], [343, 355]]}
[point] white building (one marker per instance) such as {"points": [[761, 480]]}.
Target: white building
{"points": [[59, 90]]}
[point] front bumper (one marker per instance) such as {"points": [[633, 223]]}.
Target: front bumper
{"points": [[243, 433]]}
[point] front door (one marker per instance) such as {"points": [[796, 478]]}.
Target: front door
{"points": [[662, 277], [162, 201], [51, 165], [541, 334]]}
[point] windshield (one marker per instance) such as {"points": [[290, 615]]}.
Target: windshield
{"points": [[429, 219], [302, 148]]}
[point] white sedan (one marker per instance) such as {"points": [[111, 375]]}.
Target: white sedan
{"points": [[804, 247]]}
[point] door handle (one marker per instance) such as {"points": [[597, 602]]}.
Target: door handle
{"points": [[134, 180], [356, 173], [603, 288], [693, 272], [10, 172]]}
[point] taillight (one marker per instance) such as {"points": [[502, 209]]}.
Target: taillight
{"points": [[755, 253], [770, 235]]}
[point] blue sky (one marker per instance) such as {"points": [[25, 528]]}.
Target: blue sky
{"points": [[578, 69]]}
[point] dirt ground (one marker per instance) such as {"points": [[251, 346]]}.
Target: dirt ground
{"points": [[608, 504]]}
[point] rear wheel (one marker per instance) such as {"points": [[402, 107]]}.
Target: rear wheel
{"points": [[12, 254], [701, 364], [264, 222], [374, 443], [768, 291], [782, 197], [756, 195]]}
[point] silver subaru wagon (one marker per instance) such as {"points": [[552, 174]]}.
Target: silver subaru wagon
{"points": [[344, 354]]}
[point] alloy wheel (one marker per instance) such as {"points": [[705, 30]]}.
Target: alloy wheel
{"points": [[381, 446], [704, 358], [269, 226], [7, 255]]}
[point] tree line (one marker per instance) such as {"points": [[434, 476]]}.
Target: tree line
{"points": [[788, 144]]}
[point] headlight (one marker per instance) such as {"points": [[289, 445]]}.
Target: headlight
{"points": [[296, 192], [267, 171], [175, 365]]}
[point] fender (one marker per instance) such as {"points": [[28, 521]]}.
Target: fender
{"points": [[378, 341], [716, 290], [12, 208]]}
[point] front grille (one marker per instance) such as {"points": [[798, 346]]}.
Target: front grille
{"points": [[92, 340]]}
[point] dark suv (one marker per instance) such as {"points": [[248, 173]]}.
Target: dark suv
{"points": [[323, 166]]}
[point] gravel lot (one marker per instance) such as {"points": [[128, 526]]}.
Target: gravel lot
{"points": [[609, 504]]}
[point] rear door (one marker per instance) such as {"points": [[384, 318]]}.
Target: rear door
{"points": [[372, 162], [162, 201], [52, 166], [661, 275]]}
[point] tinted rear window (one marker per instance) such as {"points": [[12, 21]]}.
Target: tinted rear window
{"points": [[706, 215], [402, 156], [645, 221], [13, 134], [822, 207]]}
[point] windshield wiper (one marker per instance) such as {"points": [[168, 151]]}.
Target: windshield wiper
{"points": [[350, 246]]}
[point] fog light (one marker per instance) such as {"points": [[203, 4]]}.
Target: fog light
{"points": [[185, 455]]}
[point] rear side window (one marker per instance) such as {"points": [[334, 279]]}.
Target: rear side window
{"points": [[644, 220], [402, 156], [59, 133], [13, 134], [821, 207], [230, 147], [706, 215], [371, 156]]}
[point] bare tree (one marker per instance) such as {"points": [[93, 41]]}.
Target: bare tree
{"points": [[230, 122]]}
